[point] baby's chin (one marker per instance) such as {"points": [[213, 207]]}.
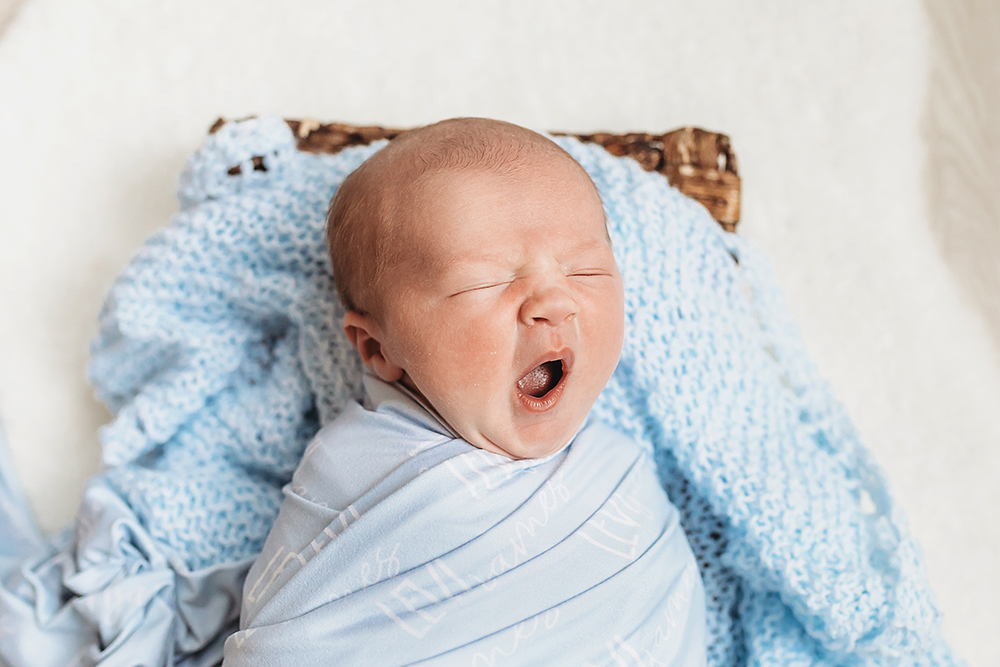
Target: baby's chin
{"points": [[520, 452], [536, 439], [532, 445]]}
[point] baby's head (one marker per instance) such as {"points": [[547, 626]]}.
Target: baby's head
{"points": [[474, 262]]}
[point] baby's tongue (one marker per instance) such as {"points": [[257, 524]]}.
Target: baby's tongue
{"points": [[539, 380]]}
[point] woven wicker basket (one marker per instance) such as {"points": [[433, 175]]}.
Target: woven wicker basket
{"points": [[699, 163]]}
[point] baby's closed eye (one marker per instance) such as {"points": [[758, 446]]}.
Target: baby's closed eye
{"points": [[483, 287], [589, 273]]}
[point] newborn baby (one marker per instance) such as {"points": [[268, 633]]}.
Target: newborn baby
{"points": [[468, 512]]}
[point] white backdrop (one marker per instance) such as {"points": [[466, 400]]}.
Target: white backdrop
{"points": [[825, 103]]}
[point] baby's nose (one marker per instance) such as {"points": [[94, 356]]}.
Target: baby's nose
{"points": [[549, 304]]}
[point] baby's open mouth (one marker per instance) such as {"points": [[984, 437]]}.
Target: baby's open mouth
{"points": [[541, 379]]}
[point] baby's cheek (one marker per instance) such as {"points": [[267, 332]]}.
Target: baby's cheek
{"points": [[609, 332], [480, 346], [462, 356]]}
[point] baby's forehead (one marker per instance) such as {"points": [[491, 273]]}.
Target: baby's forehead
{"points": [[414, 172]]}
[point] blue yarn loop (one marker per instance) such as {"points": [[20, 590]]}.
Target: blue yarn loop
{"points": [[220, 354]]}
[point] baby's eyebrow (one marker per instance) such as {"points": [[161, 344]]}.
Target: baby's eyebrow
{"points": [[460, 266], [483, 256], [584, 248], [490, 256]]}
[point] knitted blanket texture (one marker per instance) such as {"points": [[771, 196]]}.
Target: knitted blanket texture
{"points": [[220, 354]]}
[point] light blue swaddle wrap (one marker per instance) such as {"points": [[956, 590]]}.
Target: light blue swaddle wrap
{"points": [[399, 543], [220, 355]]}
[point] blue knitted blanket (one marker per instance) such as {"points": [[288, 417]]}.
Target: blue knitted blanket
{"points": [[220, 355]]}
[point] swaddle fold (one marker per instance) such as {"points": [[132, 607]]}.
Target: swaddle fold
{"points": [[455, 555]]}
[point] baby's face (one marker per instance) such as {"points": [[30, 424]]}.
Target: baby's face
{"points": [[507, 315]]}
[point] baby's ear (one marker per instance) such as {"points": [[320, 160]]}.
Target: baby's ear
{"points": [[366, 335]]}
